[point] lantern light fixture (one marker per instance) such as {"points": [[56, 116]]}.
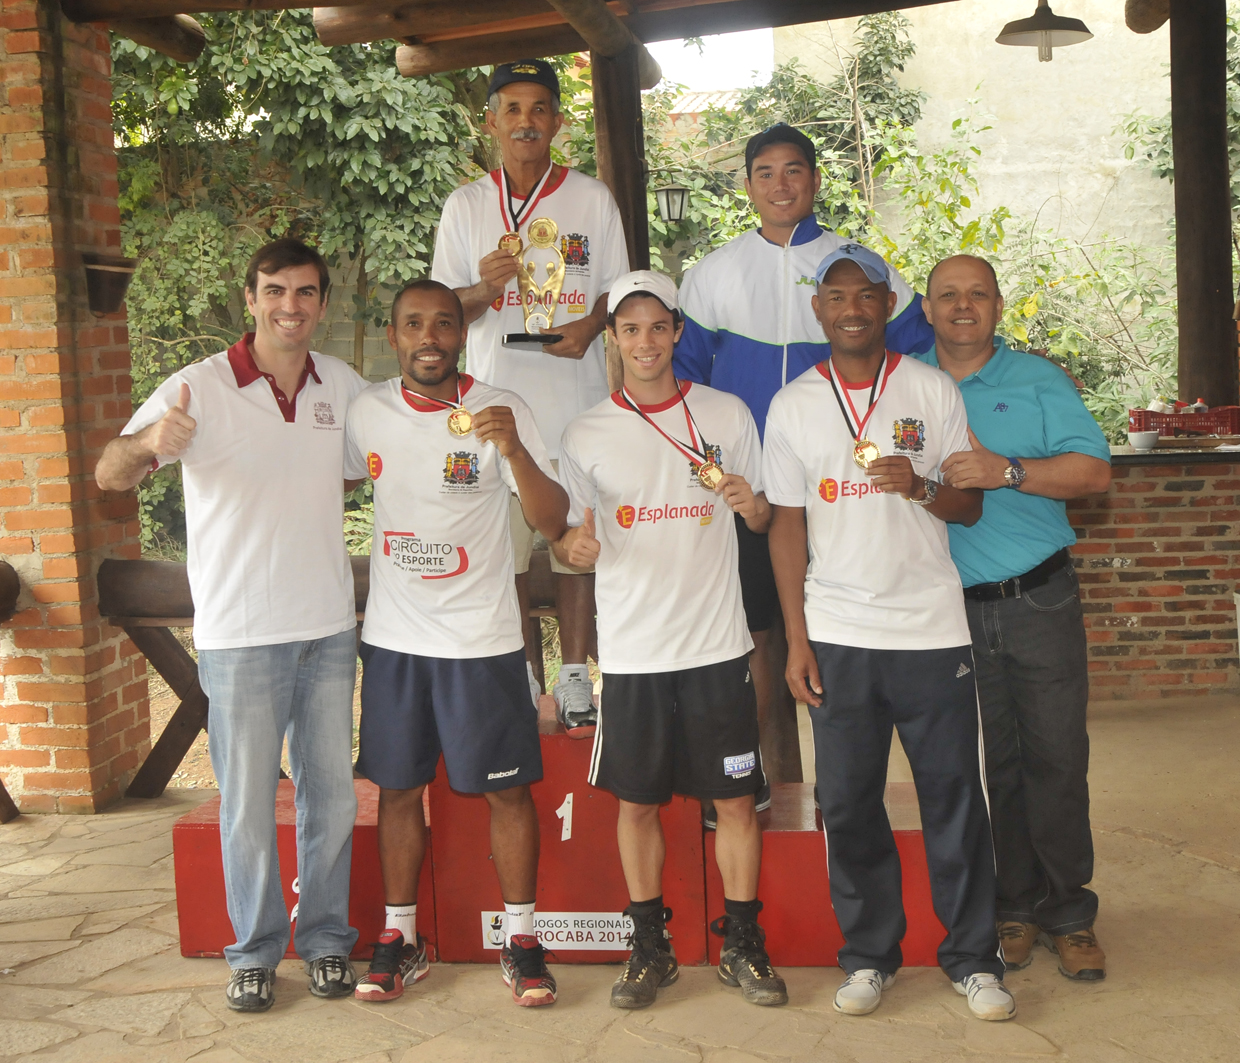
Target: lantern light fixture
{"points": [[672, 199]]}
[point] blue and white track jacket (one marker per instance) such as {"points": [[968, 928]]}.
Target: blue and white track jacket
{"points": [[749, 325]]}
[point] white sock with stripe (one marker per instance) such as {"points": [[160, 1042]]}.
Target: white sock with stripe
{"points": [[520, 920], [402, 917]]}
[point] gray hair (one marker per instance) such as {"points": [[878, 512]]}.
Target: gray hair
{"points": [[493, 103]]}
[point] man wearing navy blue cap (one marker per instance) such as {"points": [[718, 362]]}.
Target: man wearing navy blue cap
{"points": [[749, 330], [1024, 610], [877, 633], [484, 238]]}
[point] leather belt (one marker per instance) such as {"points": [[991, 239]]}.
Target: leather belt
{"points": [[1012, 588]]}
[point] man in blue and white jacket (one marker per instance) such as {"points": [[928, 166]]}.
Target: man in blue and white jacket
{"points": [[750, 329]]}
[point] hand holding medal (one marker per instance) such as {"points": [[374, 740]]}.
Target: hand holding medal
{"points": [[498, 425]]}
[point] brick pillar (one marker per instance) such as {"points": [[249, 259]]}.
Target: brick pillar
{"points": [[74, 722]]}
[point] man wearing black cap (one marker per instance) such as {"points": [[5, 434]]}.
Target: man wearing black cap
{"points": [[564, 378], [750, 329]]}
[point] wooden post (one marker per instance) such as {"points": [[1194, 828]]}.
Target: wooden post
{"points": [[620, 145], [1208, 367]]}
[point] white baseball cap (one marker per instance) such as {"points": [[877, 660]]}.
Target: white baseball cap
{"points": [[661, 286]]}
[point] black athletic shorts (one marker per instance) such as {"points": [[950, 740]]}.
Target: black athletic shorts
{"points": [[691, 732], [476, 711], [758, 591]]}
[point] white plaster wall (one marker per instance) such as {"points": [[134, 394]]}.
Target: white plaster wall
{"points": [[1053, 151]]}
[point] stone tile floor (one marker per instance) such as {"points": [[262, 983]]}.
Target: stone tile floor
{"points": [[90, 971]]}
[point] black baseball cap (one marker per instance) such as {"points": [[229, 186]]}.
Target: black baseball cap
{"points": [[780, 133], [538, 71]]}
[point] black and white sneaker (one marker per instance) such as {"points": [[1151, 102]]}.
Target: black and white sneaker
{"points": [[743, 962], [761, 802], [331, 976], [251, 989]]}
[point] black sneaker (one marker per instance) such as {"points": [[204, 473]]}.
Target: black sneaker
{"points": [[251, 989], [651, 963], [393, 966], [761, 802], [744, 962], [524, 967]]}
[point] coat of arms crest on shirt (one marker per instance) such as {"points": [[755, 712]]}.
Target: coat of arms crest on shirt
{"points": [[576, 249], [461, 469], [909, 435]]}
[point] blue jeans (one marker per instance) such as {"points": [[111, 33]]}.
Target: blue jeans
{"points": [[1033, 687], [258, 695]]}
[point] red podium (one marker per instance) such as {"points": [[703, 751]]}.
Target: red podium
{"points": [[801, 930], [201, 908], [581, 889]]}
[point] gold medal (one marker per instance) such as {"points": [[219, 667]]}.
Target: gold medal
{"points": [[460, 422], [709, 475], [542, 232], [865, 452], [511, 242]]}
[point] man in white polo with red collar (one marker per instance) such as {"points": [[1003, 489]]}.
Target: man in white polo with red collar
{"points": [[259, 432], [559, 380]]}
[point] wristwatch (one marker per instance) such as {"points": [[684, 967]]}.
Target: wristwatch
{"points": [[932, 492], [1014, 474]]}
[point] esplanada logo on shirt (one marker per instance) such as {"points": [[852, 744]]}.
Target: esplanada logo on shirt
{"points": [[419, 557], [627, 516], [830, 490]]}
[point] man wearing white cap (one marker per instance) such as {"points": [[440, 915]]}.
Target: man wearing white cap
{"points": [[877, 634], [654, 474]]}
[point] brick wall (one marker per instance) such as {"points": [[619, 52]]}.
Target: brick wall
{"points": [[1158, 558], [73, 724]]}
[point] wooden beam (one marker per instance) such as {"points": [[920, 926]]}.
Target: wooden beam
{"points": [[178, 37], [620, 145], [607, 36], [113, 10], [1145, 16], [398, 21], [501, 45], [1207, 357]]}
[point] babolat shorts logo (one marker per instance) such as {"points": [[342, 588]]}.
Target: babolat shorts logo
{"points": [[740, 766]]}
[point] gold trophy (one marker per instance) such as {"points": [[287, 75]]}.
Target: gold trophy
{"points": [[538, 301]]}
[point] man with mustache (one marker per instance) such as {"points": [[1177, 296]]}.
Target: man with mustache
{"points": [[1024, 609], [564, 378], [259, 433], [749, 330], [441, 650]]}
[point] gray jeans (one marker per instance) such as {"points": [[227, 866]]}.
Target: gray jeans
{"points": [[1033, 686]]}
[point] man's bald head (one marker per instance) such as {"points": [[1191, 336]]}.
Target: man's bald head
{"points": [[964, 262]]}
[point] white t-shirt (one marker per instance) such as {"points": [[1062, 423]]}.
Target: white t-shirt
{"points": [[668, 592], [264, 499], [441, 560], [880, 570], [591, 240]]}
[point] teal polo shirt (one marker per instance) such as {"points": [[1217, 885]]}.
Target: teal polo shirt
{"points": [[1020, 406]]}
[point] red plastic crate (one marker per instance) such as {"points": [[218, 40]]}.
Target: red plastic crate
{"points": [[1220, 421], [581, 888], [801, 929], [202, 910]]}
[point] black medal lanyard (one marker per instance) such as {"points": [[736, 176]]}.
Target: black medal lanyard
{"points": [[697, 456], [876, 393]]}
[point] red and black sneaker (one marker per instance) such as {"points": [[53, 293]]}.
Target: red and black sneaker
{"points": [[393, 966], [524, 967]]}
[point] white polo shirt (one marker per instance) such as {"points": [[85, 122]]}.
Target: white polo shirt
{"points": [[880, 573], [441, 559], [667, 586], [264, 498], [591, 241]]}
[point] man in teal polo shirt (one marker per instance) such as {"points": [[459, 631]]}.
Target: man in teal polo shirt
{"points": [[1034, 445]]}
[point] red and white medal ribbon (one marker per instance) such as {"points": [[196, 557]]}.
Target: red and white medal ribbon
{"points": [[856, 424], [695, 453], [512, 215]]}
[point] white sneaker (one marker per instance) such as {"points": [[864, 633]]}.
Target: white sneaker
{"points": [[574, 706], [535, 689], [861, 992], [988, 997]]}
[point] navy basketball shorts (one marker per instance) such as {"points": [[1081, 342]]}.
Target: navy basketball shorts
{"points": [[476, 711], [758, 593], [693, 732]]}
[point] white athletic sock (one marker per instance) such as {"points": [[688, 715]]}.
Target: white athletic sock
{"points": [[520, 920], [404, 918], [574, 671]]}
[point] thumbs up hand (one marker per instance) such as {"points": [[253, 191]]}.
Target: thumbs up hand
{"points": [[170, 436], [581, 547]]}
